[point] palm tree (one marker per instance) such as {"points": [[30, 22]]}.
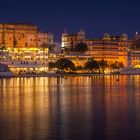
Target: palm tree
{"points": [[91, 65], [113, 66], [51, 65], [79, 68], [116, 66], [65, 64], [103, 65]]}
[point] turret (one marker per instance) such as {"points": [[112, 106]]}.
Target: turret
{"points": [[136, 36], [65, 34], [64, 38], [124, 37], [81, 33], [106, 37]]}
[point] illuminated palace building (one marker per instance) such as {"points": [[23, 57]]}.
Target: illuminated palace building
{"points": [[23, 47], [109, 48]]}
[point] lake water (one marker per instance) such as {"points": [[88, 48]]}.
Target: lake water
{"points": [[70, 108]]}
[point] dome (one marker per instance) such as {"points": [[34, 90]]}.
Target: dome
{"points": [[124, 35], [65, 33], [107, 35], [81, 32]]}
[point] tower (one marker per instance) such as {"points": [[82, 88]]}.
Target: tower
{"points": [[81, 34], [64, 38]]}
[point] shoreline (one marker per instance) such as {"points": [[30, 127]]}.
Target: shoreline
{"points": [[54, 75], [61, 75], [73, 75]]}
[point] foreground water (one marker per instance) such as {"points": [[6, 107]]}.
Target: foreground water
{"points": [[70, 108]]}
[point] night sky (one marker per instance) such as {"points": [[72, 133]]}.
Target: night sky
{"points": [[94, 16]]}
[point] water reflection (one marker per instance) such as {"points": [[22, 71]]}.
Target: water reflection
{"points": [[70, 108]]}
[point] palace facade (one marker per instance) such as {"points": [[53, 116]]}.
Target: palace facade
{"points": [[70, 40], [109, 48], [23, 48], [23, 35]]}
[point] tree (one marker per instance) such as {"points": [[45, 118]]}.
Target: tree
{"points": [[81, 48], [79, 68], [65, 64], [116, 66], [103, 65], [51, 65], [91, 65]]}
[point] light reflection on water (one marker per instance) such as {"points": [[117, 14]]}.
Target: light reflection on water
{"points": [[70, 108]]}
